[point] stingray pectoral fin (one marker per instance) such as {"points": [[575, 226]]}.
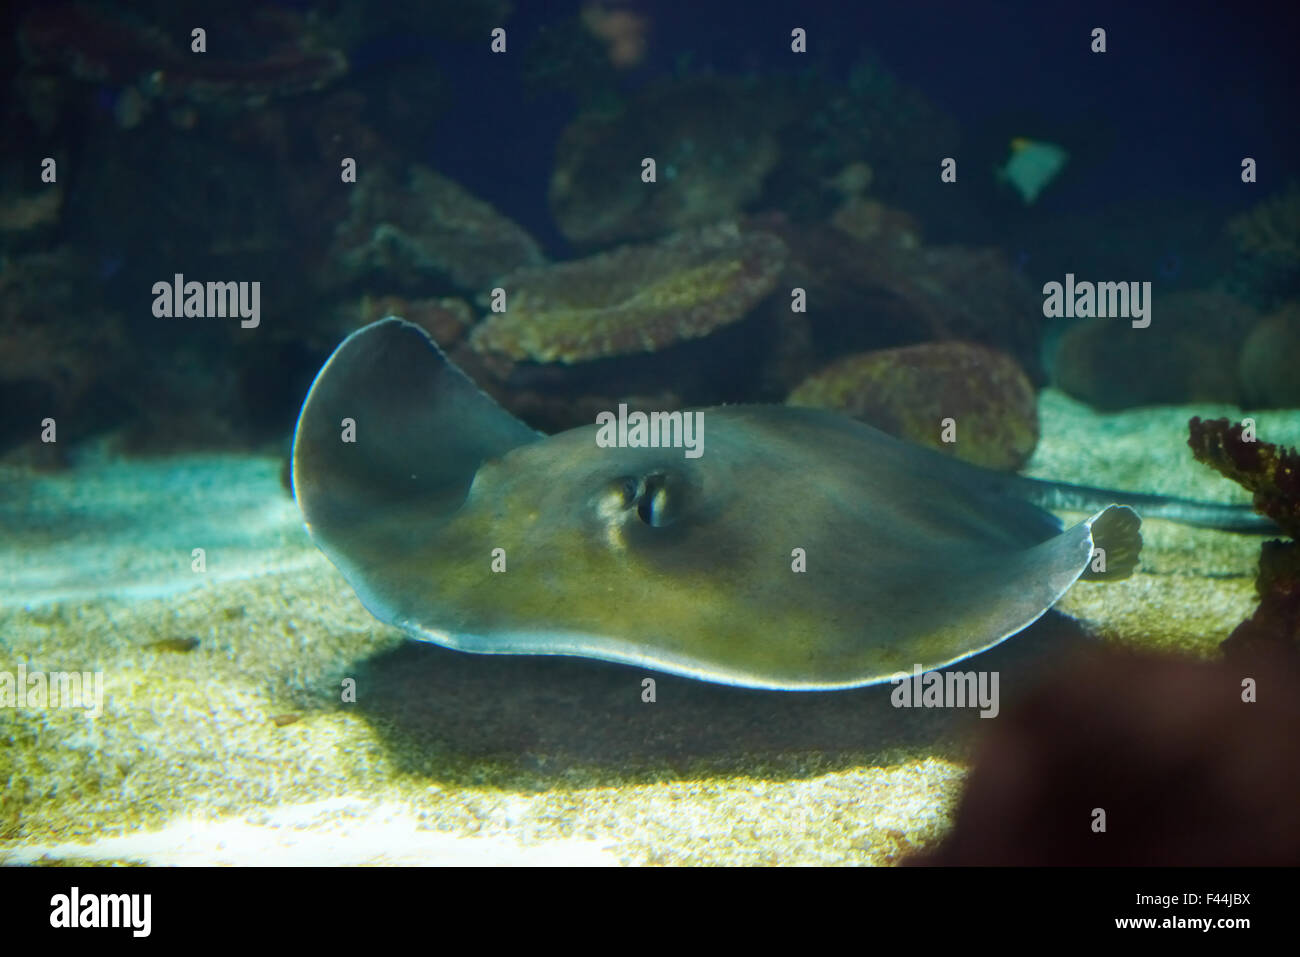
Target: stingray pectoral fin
{"points": [[982, 603], [387, 444]]}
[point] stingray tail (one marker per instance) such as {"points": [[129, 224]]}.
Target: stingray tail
{"points": [[1185, 511]]}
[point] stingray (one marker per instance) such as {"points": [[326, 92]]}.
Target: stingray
{"points": [[801, 550]]}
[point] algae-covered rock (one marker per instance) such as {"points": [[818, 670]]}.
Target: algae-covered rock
{"points": [[633, 299], [910, 392]]}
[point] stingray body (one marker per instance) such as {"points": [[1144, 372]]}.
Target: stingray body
{"points": [[802, 550]]}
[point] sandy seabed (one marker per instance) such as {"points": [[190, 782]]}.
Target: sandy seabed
{"points": [[241, 751]]}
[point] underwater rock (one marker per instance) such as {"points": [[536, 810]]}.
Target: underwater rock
{"points": [[102, 47], [1275, 625], [731, 364], [623, 31], [633, 299], [446, 318], [1179, 358], [428, 227], [1272, 475], [874, 222], [60, 355], [1186, 773], [908, 392], [887, 291], [706, 170], [1269, 365]]}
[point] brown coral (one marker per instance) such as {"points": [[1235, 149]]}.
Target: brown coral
{"points": [[908, 392], [429, 226], [1272, 474], [633, 299]]}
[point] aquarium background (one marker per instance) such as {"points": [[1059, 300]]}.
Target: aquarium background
{"points": [[799, 242]]}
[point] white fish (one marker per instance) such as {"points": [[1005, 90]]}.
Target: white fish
{"points": [[1031, 166]]}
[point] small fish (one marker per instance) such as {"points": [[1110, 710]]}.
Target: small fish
{"points": [[1031, 166], [802, 550]]}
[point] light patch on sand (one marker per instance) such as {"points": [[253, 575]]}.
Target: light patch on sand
{"points": [[329, 833]]}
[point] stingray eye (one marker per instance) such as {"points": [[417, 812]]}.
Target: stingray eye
{"points": [[658, 505]]}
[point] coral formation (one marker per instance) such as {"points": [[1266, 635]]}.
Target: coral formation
{"points": [[633, 299], [908, 392], [102, 47], [1272, 475], [874, 119], [1267, 239], [706, 171], [872, 221], [428, 227]]}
